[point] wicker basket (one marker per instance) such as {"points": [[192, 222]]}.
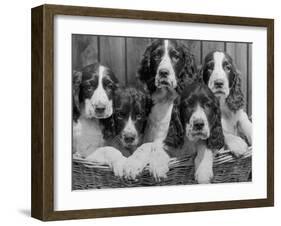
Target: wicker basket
{"points": [[227, 168]]}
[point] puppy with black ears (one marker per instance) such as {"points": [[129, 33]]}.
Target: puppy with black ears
{"points": [[93, 92], [222, 77], [199, 130], [165, 67], [124, 130]]}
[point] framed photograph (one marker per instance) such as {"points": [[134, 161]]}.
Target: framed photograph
{"points": [[142, 112]]}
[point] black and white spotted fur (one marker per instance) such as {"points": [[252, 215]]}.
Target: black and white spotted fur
{"points": [[93, 91], [222, 77], [166, 66]]}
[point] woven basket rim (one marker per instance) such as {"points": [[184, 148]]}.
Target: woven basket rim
{"points": [[222, 156]]}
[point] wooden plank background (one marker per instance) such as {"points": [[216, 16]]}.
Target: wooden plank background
{"points": [[123, 56]]}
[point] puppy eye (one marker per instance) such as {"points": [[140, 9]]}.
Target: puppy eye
{"points": [[190, 102], [176, 57], [210, 70], [227, 67], [88, 88], [210, 65], [120, 115], [138, 117], [157, 56], [109, 87], [208, 104]]}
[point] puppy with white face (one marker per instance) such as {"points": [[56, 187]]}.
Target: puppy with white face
{"points": [[96, 91], [222, 77], [93, 90], [165, 74], [219, 74], [167, 64], [198, 126]]}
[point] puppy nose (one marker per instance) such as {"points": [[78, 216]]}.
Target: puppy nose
{"points": [[129, 138], [99, 109], [163, 73], [218, 83], [198, 125]]}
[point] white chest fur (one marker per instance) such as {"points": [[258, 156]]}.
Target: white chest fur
{"points": [[87, 136], [229, 120], [158, 122]]}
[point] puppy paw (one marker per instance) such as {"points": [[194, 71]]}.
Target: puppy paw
{"points": [[204, 166], [77, 155], [236, 145], [203, 175], [159, 162], [132, 168], [135, 164], [111, 157], [118, 166]]}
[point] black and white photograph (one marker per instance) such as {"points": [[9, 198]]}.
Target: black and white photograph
{"points": [[157, 112], [139, 112]]}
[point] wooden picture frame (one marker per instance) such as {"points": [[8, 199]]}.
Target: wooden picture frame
{"points": [[42, 203]]}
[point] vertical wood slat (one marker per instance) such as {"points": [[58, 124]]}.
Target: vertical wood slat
{"points": [[195, 48], [249, 81], [208, 46], [90, 53], [135, 51], [113, 55], [84, 50], [238, 52]]}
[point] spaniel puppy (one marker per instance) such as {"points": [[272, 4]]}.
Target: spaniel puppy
{"points": [[93, 90], [124, 130], [126, 126], [165, 67], [202, 132], [222, 77]]}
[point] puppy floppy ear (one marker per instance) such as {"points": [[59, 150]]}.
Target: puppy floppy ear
{"points": [[235, 99], [115, 82], [203, 74], [189, 73], [216, 138], [176, 132], [148, 104], [76, 82], [144, 72], [144, 69]]}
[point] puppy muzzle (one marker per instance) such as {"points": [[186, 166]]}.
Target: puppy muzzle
{"points": [[165, 77], [99, 110], [129, 139]]}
